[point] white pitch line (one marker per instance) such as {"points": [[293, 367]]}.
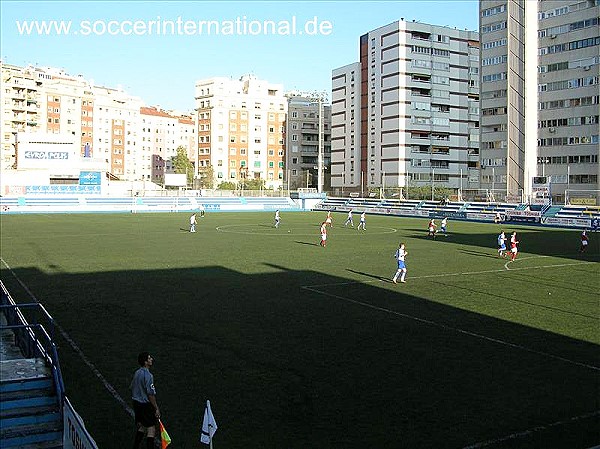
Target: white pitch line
{"points": [[464, 273], [453, 329], [524, 433], [522, 258], [77, 349]]}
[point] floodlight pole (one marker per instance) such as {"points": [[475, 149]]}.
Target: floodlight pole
{"points": [[320, 156]]}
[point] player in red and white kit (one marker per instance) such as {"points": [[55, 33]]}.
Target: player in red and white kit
{"points": [[329, 219], [513, 246], [431, 228], [584, 241], [323, 234]]}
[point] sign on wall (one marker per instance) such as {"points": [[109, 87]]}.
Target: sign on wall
{"points": [[90, 178]]}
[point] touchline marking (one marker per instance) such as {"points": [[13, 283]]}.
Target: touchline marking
{"points": [[527, 432], [453, 329], [76, 348], [464, 273]]}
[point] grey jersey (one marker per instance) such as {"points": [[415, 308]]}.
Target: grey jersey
{"points": [[142, 385]]}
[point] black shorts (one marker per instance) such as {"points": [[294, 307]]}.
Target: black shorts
{"points": [[145, 414]]}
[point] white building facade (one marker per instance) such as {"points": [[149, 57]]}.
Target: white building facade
{"points": [[417, 89], [241, 130], [539, 97]]}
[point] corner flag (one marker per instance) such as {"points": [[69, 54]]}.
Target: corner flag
{"points": [[165, 439], [209, 425]]}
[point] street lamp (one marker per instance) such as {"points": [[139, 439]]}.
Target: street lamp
{"points": [[432, 182]]}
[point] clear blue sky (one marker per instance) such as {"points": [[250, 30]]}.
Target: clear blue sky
{"points": [[162, 69]]}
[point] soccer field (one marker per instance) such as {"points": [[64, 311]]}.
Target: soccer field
{"points": [[299, 346]]}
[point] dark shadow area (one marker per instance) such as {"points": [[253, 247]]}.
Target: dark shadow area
{"points": [[372, 276], [344, 365], [306, 243], [478, 253]]}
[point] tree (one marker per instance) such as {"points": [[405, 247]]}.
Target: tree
{"points": [[182, 164], [254, 184], [207, 175], [225, 185]]}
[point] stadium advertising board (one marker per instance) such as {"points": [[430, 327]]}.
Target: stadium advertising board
{"points": [[75, 435], [459, 215], [418, 213], [93, 178], [575, 222], [480, 217], [526, 216], [176, 179]]}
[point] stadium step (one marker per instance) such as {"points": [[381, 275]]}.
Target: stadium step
{"points": [[30, 416]]}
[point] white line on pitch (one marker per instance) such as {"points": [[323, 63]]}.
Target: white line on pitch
{"points": [[76, 348], [527, 432], [440, 275], [453, 329]]}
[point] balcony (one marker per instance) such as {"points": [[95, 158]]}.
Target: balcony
{"points": [[18, 106]]}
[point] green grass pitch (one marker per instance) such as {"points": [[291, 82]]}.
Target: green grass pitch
{"points": [[299, 346]]}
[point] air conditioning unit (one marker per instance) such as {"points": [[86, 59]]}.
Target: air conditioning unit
{"points": [[553, 36], [586, 67], [552, 129]]}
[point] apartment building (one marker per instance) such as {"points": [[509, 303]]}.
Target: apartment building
{"points": [[308, 132], [241, 130], [19, 109], [345, 127], [116, 133], [162, 133], [539, 97], [69, 108], [408, 111]]}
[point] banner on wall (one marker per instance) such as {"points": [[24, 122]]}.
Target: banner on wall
{"points": [[75, 435]]}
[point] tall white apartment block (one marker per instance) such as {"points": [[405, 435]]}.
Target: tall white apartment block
{"points": [[241, 129], [116, 131], [418, 94], [345, 126], [539, 96], [162, 133]]}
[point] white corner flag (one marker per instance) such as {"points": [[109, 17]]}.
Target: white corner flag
{"points": [[209, 425]]}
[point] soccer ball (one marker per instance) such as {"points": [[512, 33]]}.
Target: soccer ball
{"points": [[289, 231]]}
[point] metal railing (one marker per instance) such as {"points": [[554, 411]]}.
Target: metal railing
{"points": [[33, 339]]}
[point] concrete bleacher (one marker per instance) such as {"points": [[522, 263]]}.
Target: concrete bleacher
{"points": [[75, 204], [575, 211], [489, 208]]}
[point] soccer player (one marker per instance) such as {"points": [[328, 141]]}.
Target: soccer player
{"points": [[193, 223], [277, 218], [513, 246], [501, 244], [201, 209], [329, 219], [363, 221], [431, 227], [584, 241], [401, 271], [323, 234], [349, 219], [443, 226], [497, 218]]}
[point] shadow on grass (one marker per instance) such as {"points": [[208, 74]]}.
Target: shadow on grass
{"points": [[344, 359], [306, 243], [372, 276]]}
